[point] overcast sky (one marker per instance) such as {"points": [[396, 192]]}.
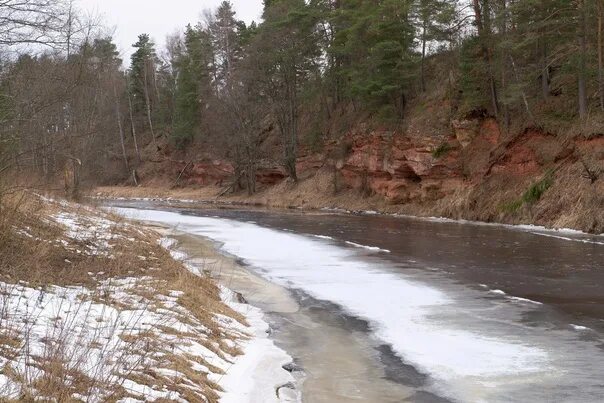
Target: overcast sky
{"points": [[158, 18]]}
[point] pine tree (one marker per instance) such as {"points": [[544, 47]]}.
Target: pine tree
{"points": [[376, 44], [224, 34], [192, 85], [142, 78], [432, 18]]}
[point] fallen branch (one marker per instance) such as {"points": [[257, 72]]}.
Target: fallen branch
{"points": [[180, 175], [231, 186], [589, 173]]}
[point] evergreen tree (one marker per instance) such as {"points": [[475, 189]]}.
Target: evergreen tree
{"points": [[105, 51], [225, 39], [433, 19], [377, 46], [142, 77], [192, 85]]}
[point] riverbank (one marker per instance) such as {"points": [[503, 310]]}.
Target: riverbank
{"points": [[315, 193], [93, 307]]}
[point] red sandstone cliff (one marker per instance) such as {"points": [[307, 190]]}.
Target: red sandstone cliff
{"points": [[470, 170]]}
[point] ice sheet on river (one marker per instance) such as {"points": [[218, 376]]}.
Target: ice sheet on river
{"points": [[465, 362]]}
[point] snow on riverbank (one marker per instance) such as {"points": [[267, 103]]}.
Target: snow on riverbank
{"points": [[533, 229], [111, 316], [257, 375], [115, 345]]}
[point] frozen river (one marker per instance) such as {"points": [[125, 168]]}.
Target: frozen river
{"points": [[447, 311]]}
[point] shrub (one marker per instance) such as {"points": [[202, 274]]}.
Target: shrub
{"points": [[536, 190], [532, 195], [441, 150]]}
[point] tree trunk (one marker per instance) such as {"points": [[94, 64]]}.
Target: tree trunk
{"points": [[422, 67], [291, 137], [148, 104], [402, 105], [545, 78], [69, 33], [156, 88], [524, 97], [133, 128], [484, 27], [504, 54], [600, 55], [251, 175], [582, 91], [544, 69], [118, 116]]}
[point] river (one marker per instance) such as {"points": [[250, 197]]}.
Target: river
{"points": [[392, 309]]}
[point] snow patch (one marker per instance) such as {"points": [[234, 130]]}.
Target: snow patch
{"points": [[323, 237], [529, 301], [371, 248], [256, 375], [103, 341]]}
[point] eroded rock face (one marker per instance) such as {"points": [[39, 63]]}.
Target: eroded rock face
{"points": [[418, 168], [465, 130], [528, 153], [309, 162], [399, 168], [204, 173], [270, 175], [221, 173], [407, 169]]}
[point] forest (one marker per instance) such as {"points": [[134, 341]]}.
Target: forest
{"points": [[248, 93]]}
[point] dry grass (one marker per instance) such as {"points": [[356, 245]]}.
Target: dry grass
{"points": [[571, 201], [40, 255], [580, 205]]}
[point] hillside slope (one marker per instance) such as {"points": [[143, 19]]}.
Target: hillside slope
{"points": [[464, 169]]}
